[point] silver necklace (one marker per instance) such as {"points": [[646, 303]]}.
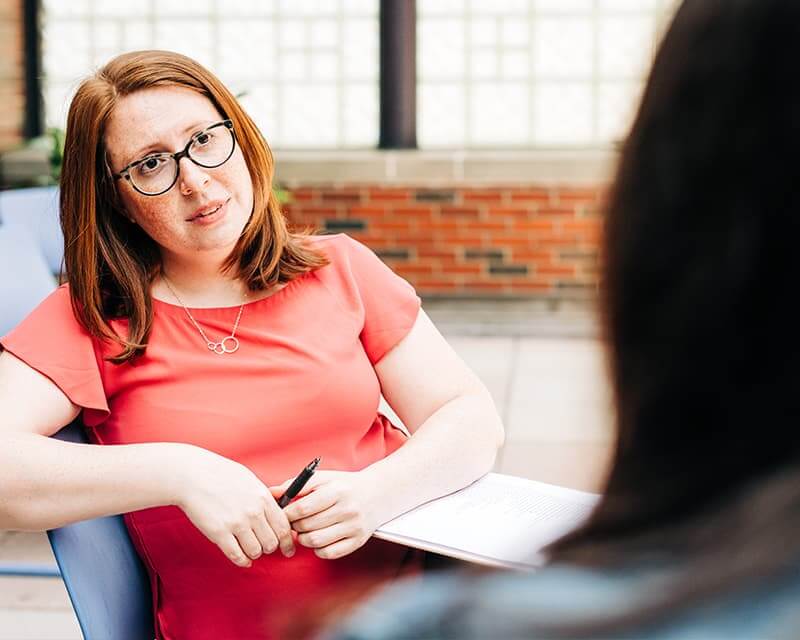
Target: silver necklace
{"points": [[229, 344]]}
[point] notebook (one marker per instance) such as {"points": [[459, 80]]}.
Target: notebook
{"points": [[499, 520]]}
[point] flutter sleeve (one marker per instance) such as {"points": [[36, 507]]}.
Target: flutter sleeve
{"points": [[386, 304], [53, 342]]}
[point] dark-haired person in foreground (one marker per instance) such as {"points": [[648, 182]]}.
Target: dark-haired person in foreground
{"points": [[698, 533]]}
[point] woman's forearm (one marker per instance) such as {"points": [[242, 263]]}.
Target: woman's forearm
{"points": [[46, 483], [456, 445]]}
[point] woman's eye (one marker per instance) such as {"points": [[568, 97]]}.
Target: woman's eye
{"points": [[203, 139], [149, 165]]}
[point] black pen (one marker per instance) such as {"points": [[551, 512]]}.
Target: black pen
{"points": [[298, 483]]}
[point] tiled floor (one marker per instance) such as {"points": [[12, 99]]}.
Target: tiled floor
{"points": [[550, 391]]}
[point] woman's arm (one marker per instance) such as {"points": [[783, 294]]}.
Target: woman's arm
{"points": [[455, 435], [46, 483], [455, 429]]}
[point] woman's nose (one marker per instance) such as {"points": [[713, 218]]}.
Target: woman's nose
{"points": [[193, 178]]}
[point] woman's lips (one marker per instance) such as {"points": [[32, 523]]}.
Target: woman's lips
{"points": [[211, 218]]}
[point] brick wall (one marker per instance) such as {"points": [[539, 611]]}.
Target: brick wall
{"points": [[12, 81], [499, 241]]}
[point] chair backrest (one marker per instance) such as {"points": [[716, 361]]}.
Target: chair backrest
{"points": [[36, 209], [25, 278], [105, 579]]}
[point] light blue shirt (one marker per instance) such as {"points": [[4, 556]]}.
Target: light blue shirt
{"points": [[509, 606]]}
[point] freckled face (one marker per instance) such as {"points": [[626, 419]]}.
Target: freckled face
{"points": [[164, 119]]}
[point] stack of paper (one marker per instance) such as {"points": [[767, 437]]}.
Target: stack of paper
{"points": [[499, 520]]}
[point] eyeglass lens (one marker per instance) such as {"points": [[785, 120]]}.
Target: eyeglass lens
{"points": [[157, 172]]}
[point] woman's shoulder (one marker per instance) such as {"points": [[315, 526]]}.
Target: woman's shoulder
{"points": [[537, 605]]}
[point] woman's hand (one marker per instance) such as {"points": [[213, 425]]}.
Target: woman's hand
{"points": [[336, 512], [232, 507]]}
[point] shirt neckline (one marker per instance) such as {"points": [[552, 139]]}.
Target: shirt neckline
{"points": [[270, 299]]}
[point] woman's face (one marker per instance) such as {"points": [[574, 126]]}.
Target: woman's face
{"points": [[163, 119]]}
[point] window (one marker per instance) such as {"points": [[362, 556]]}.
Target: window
{"points": [[531, 73], [306, 70]]}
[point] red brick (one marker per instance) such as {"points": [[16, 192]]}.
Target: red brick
{"points": [[557, 211], [492, 225], [511, 212], [533, 225], [418, 212], [315, 210], [393, 195], [388, 225], [505, 238], [434, 285], [436, 252], [482, 196], [303, 195], [466, 269], [369, 212], [533, 195], [572, 196], [531, 286], [462, 212], [554, 270], [481, 285], [341, 196]]}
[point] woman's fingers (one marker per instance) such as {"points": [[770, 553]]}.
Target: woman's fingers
{"points": [[279, 524], [310, 504], [319, 520], [249, 543], [338, 549], [266, 536], [327, 536], [232, 549]]}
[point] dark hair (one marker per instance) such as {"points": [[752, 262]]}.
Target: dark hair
{"points": [[110, 264], [700, 252]]}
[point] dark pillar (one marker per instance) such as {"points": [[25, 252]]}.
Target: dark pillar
{"points": [[398, 74]]}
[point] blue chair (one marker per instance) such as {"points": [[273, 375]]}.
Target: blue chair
{"points": [[36, 210], [25, 277], [104, 576]]}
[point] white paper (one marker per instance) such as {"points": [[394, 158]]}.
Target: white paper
{"points": [[498, 520]]}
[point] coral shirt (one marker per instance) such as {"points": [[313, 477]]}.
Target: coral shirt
{"points": [[301, 385]]}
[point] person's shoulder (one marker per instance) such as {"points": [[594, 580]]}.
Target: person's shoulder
{"points": [[336, 244], [344, 254]]}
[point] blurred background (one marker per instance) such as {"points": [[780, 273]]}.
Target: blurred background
{"points": [[469, 143]]}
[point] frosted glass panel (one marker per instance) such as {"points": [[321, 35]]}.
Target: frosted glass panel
{"points": [[625, 45], [252, 8], [361, 114], [499, 6], [175, 8], [272, 53], [441, 115], [500, 114], [563, 114], [136, 34], [65, 8], [564, 6], [617, 102], [308, 115], [563, 47], [441, 48], [534, 72], [189, 37], [242, 50]]}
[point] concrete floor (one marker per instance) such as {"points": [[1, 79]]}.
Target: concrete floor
{"points": [[546, 373]]}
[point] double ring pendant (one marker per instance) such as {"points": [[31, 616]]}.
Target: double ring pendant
{"points": [[227, 345]]}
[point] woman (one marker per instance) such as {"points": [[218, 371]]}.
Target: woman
{"points": [[221, 353], [698, 534]]}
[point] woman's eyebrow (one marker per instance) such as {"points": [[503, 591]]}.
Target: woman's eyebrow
{"points": [[155, 145]]}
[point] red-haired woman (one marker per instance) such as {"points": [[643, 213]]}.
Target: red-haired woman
{"points": [[220, 353]]}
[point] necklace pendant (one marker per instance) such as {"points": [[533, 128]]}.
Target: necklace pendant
{"points": [[228, 345]]}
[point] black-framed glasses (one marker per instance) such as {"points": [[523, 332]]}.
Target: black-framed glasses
{"points": [[157, 173]]}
